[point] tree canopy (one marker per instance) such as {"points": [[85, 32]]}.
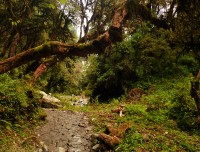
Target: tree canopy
{"points": [[33, 30]]}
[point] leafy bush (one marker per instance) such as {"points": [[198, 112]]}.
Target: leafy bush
{"points": [[171, 98], [189, 62], [17, 101], [184, 110], [136, 110]]}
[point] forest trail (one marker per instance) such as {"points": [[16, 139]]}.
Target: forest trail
{"points": [[65, 131]]}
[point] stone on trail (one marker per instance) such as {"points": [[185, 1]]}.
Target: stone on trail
{"points": [[48, 101]]}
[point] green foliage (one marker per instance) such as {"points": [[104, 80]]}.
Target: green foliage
{"points": [[187, 27], [62, 1], [36, 22], [189, 63], [172, 98], [144, 55], [132, 139], [154, 120], [65, 77], [157, 117], [136, 110], [17, 102], [184, 110], [14, 139]]}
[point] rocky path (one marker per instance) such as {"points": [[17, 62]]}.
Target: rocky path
{"points": [[65, 131]]}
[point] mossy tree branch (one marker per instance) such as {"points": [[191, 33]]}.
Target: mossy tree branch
{"points": [[52, 48], [98, 45], [47, 49]]}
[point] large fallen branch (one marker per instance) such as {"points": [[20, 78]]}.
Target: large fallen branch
{"points": [[55, 48]]}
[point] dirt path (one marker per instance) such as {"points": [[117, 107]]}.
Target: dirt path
{"points": [[66, 131]]}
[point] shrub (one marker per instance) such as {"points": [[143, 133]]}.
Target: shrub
{"points": [[17, 101], [184, 110], [188, 62]]}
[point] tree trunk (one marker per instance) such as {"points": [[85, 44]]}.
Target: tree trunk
{"points": [[39, 71], [14, 44], [42, 67], [195, 93]]}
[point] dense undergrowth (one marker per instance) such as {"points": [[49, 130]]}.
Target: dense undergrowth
{"points": [[163, 120]]}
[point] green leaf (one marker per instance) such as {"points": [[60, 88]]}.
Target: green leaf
{"points": [[52, 6], [62, 1]]}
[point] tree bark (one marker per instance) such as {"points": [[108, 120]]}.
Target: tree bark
{"points": [[47, 49], [14, 44], [42, 67], [195, 94], [44, 50], [54, 48]]}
